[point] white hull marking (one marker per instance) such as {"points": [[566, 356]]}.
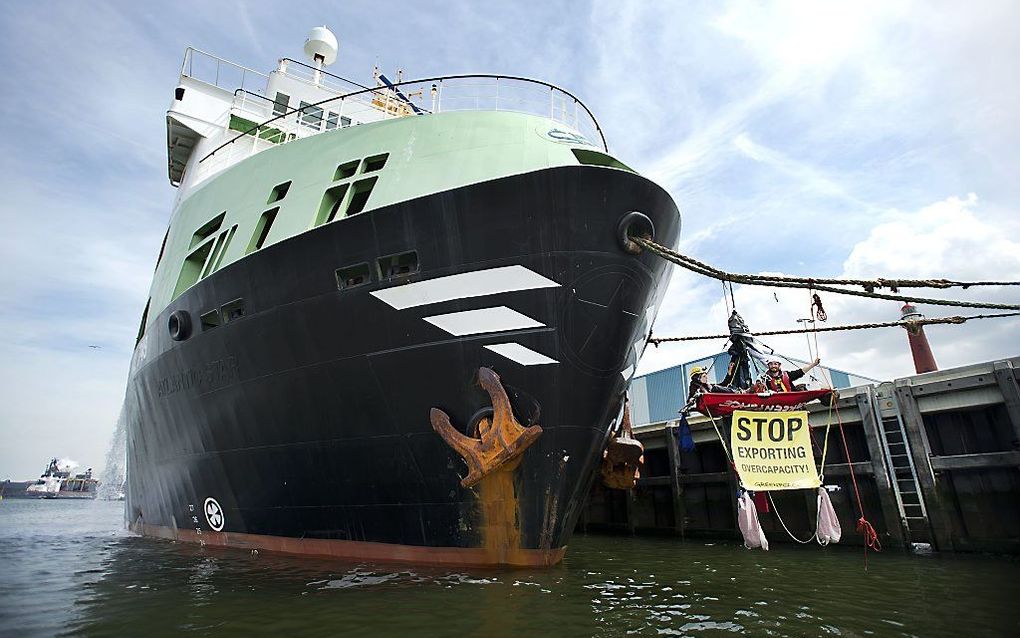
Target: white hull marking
{"points": [[471, 322], [469, 284], [518, 353]]}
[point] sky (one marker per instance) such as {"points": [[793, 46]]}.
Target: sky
{"points": [[828, 139]]}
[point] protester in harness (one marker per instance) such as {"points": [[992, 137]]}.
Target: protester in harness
{"points": [[700, 384], [776, 379]]}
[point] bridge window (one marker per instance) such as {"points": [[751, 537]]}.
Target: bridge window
{"points": [[311, 116], [281, 103]]}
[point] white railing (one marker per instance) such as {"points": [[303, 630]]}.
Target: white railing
{"points": [[206, 67], [421, 97], [318, 77]]}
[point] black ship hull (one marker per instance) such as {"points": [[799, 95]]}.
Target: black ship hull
{"points": [[301, 423]]}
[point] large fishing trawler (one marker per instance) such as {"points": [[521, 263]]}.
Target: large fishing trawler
{"points": [[387, 322]]}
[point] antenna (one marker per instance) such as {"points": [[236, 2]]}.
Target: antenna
{"points": [[321, 46]]}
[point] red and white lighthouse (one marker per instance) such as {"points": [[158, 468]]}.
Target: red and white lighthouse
{"points": [[924, 360]]}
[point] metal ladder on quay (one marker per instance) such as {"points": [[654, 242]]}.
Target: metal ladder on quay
{"points": [[903, 473]]}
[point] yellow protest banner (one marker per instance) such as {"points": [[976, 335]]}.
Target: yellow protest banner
{"points": [[772, 450]]}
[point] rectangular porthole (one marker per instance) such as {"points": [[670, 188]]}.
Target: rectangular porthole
{"points": [[351, 276], [279, 192], [359, 195], [397, 265], [210, 320], [258, 238], [207, 229], [332, 201], [232, 310], [331, 120], [345, 170], [375, 163]]}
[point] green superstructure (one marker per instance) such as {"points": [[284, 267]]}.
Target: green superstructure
{"points": [[295, 187]]}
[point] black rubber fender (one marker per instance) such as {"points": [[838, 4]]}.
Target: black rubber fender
{"points": [[179, 325]]}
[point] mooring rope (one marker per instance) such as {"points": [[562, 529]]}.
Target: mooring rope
{"points": [[869, 285], [907, 323]]}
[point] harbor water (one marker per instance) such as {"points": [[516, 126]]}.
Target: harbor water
{"points": [[68, 568]]}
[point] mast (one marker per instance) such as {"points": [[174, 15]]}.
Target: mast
{"points": [[924, 360]]}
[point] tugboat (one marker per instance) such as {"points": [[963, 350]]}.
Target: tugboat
{"points": [[392, 322], [57, 482]]}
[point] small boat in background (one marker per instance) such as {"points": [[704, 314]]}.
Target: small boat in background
{"points": [[57, 482]]}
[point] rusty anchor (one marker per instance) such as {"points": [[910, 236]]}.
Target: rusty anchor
{"points": [[623, 458], [501, 438]]}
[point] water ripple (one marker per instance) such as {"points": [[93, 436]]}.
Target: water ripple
{"points": [[67, 569]]}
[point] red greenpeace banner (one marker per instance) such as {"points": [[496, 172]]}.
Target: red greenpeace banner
{"points": [[724, 404]]}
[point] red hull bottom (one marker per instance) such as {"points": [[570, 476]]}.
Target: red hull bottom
{"points": [[360, 550]]}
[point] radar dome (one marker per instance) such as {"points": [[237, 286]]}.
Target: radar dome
{"points": [[321, 41]]}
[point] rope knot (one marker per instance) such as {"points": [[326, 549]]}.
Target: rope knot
{"points": [[870, 536]]}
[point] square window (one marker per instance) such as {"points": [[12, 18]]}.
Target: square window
{"points": [[351, 276], [232, 310], [281, 103], [311, 116], [210, 319], [398, 265]]}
